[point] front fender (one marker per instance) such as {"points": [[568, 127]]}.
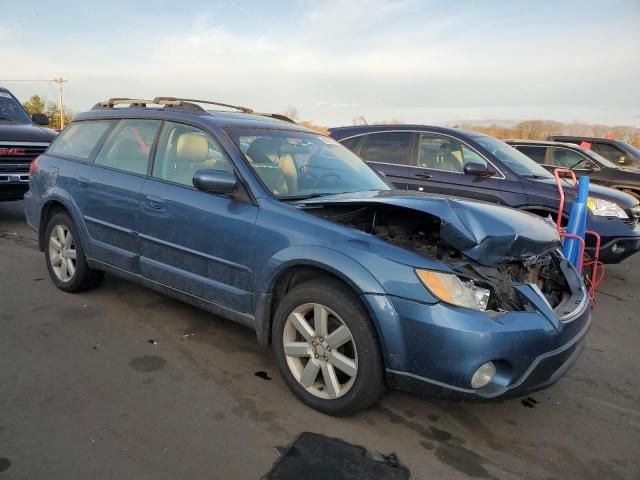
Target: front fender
{"points": [[333, 261]]}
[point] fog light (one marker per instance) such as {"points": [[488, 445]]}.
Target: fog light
{"points": [[617, 248], [483, 375]]}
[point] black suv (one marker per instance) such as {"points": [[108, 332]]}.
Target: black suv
{"points": [[473, 165], [616, 151], [582, 161], [21, 140]]}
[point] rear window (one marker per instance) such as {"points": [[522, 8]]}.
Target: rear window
{"points": [[79, 139], [536, 153]]}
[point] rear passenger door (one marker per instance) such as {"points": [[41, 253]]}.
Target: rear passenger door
{"points": [[195, 242], [390, 154], [108, 193]]}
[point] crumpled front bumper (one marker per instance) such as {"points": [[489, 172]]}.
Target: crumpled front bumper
{"points": [[437, 348]]}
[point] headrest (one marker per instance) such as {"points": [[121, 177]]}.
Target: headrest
{"points": [[261, 148], [192, 148]]}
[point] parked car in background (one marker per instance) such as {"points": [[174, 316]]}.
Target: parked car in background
{"points": [[616, 151], [21, 140], [582, 161], [473, 165], [279, 228]]}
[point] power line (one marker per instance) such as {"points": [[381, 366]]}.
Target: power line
{"points": [[58, 80]]}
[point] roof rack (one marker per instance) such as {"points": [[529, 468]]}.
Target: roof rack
{"points": [[166, 101], [184, 103]]}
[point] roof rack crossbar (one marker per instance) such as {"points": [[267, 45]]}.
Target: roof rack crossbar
{"points": [[172, 101]]}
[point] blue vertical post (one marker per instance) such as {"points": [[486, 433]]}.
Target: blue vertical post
{"points": [[577, 222]]}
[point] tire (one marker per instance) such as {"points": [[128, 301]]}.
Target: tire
{"points": [[310, 353], [59, 252]]}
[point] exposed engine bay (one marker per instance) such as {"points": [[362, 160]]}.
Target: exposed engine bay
{"points": [[420, 232]]}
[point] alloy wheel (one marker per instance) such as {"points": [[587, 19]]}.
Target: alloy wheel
{"points": [[62, 253], [320, 351]]}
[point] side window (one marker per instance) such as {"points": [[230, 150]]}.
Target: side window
{"points": [[183, 150], [566, 158], [536, 154], [387, 147], [129, 145], [608, 151], [440, 152], [352, 143], [79, 139]]}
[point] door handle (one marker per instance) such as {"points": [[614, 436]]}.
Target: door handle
{"points": [[83, 182], [424, 176], [155, 202]]}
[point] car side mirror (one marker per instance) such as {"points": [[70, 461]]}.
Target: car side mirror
{"points": [[478, 170], [215, 181], [591, 166], [40, 119]]}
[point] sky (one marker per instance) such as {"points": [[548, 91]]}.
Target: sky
{"points": [[417, 61]]}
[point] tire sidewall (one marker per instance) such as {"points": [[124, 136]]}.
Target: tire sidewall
{"points": [[76, 282], [369, 383]]}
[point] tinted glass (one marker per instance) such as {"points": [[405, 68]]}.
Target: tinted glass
{"points": [[297, 164], [129, 145], [79, 139], [440, 152], [536, 154], [607, 151], [352, 143], [566, 158], [11, 110], [517, 161], [183, 150], [387, 147]]}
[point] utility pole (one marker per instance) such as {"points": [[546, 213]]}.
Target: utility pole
{"points": [[60, 81]]}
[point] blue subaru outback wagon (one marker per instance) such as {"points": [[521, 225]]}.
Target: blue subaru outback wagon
{"points": [[355, 285]]}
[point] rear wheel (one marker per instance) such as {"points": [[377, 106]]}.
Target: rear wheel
{"points": [[65, 257], [327, 349]]}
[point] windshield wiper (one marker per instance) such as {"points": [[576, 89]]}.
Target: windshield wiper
{"points": [[535, 177]]}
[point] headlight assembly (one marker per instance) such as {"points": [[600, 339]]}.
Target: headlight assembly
{"points": [[454, 290], [605, 208]]}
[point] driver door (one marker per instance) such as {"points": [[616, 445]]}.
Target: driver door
{"points": [[195, 242], [440, 169]]}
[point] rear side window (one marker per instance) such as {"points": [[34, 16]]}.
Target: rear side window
{"points": [[387, 147], [129, 145], [79, 139], [534, 153]]}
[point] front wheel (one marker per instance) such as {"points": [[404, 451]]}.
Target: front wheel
{"points": [[65, 257], [327, 349]]}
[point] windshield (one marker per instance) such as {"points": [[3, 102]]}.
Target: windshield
{"points": [[11, 110], [600, 159], [515, 160], [631, 148], [300, 165]]}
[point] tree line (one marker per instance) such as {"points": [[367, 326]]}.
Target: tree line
{"points": [[38, 104]]}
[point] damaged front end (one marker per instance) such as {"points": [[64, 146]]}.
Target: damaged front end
{"points": [[501, 259]]}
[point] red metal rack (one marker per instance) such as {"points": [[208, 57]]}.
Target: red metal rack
{"points": [[593, 279]]}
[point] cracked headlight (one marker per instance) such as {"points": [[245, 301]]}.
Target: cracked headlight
{"points": [[454, 290], [605, 208]]}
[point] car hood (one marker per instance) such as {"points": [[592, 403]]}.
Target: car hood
{"points": [[487, 233], [624, 176], [623, 199], [24, 132]]}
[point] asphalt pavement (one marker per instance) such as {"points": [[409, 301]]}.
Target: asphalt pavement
{"points": [[124, 383]]}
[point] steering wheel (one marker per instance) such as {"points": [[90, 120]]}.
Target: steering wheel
{"points": [[324, 177]]}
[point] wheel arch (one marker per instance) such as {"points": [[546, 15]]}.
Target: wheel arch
{"points": [[300, 268]]}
